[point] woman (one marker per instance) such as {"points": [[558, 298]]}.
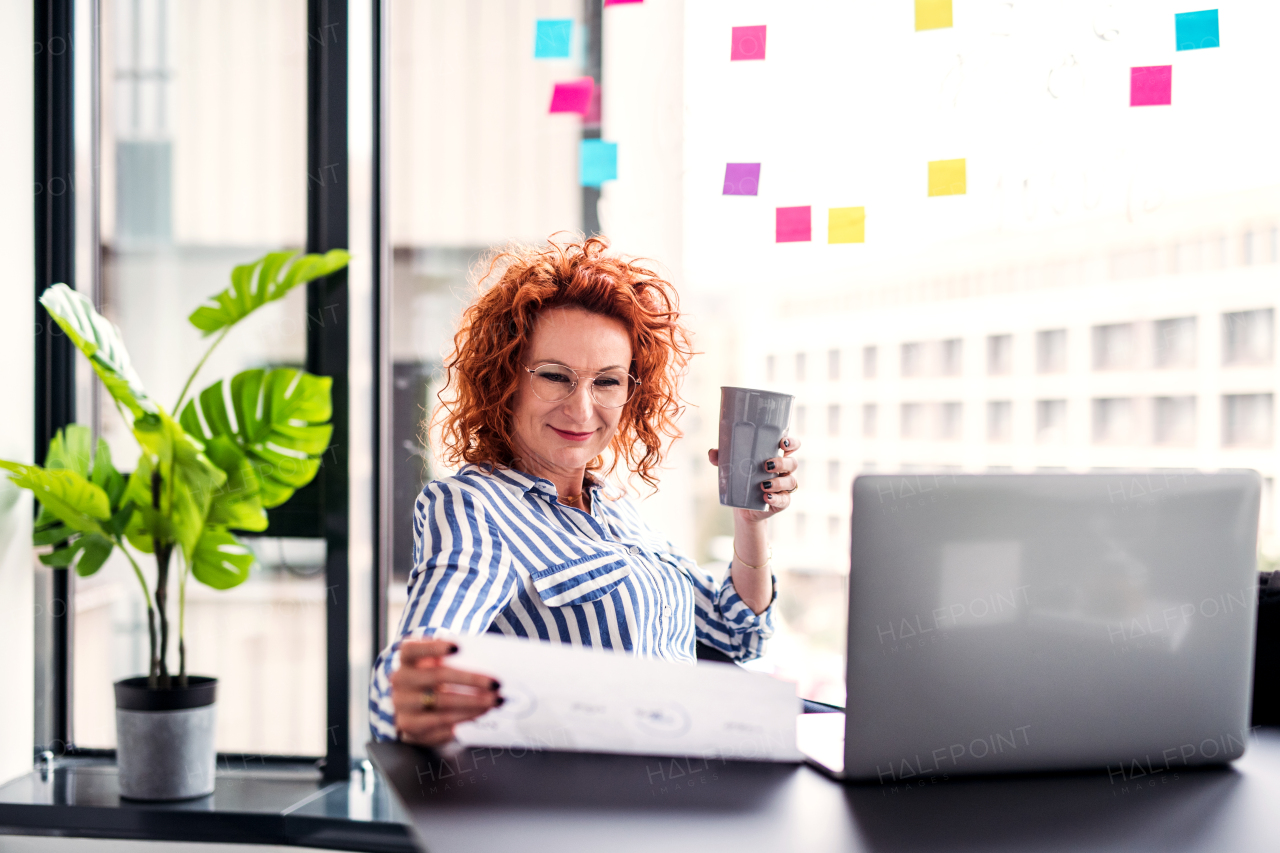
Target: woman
{"points": [[566, 365]]}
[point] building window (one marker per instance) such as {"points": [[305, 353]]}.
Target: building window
{"points": [[800, 420], [833, 420], [1175, 421], [1114, 347], [770, 367], [1175, 343], [999, 355], [833, 475], [913, 359], [1246, 420], [952, 357], [870, 414], [951, 422], [913, 420], [1051, 351], [1051, 421], [1113, 420], [869, 362], [1247, 337], [999, 420], [833, 365], [799, 367]]}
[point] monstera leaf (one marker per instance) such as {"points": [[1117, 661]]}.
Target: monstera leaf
{"points": [[255, 284], [221, 560], [174, 506], [99, 340], [277, 419]]}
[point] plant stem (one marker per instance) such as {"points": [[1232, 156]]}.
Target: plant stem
{"points": [[176, 408], [182, 624], [163, 552], [153, 671]]}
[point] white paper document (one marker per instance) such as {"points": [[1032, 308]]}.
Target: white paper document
{"points": [[562, 697]]}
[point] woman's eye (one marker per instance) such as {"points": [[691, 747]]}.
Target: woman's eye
{"points": [[552, 376], [608, 382]]}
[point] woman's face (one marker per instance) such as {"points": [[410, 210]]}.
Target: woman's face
{"points": [[565, 436]]}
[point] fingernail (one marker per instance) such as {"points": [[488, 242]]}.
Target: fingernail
{"points": [[453, 649], [494, 684], [786, 442], [768, 497], [768, 466], [500, 702], [766, 484]]}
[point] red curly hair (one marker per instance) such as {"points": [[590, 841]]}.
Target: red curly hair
{"points": [[514, 286]]}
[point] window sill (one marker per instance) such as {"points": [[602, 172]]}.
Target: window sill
{"points": [[281, 804]]}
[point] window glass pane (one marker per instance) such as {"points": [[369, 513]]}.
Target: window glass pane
{"points": [[203, 168]]}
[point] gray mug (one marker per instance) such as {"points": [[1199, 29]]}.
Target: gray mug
{"points": [[752, 423]]}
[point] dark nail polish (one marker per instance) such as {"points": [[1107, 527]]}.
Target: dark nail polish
{"points": [[494, 685], [767, 484], [786, 442], [453, 649], [769, 466], [500, 702]]}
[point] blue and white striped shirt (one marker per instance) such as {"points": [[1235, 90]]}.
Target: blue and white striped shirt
{"points": [[496, 552]]}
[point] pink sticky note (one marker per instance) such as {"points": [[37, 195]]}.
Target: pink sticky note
{"points": [[620, 2], [748, 43], [1150, 85], [793, 225], [573, 96]]}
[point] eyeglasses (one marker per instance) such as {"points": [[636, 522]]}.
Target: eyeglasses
{"points": [[555, 382]]}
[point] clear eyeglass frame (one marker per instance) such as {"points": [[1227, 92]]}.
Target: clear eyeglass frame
{"points": [[535, 372]]}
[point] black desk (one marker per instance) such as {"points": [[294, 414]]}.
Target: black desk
{"points": [[493, 800]]}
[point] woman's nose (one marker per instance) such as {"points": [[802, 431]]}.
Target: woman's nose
{"points": [[579, 404]]}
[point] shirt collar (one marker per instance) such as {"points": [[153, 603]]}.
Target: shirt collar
{"points": [[517, 479]]}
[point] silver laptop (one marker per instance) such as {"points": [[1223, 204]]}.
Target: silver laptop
{"points": [[1009, 622]]}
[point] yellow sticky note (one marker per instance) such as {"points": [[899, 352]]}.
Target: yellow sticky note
{"points": [[946, 177], [846, 224], [933, 14]]}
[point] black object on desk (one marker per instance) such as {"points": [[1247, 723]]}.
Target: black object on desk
{"points": [[502, 800]]}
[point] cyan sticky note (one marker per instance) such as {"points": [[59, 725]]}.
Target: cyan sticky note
{"points": [[1197, 29], [748, 43], [1150, 85], [573, 96], [597, 162], [741, 178], [551, 39], [793, 225]]}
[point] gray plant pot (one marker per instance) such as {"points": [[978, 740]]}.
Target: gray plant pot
{"points": [[164, 739]]}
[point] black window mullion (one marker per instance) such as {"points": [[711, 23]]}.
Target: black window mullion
{"points": [[55, 239], [328, 344]]}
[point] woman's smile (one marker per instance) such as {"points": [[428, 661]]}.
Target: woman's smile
{"points": [[573, 436]]}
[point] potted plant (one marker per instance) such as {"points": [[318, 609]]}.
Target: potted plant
{"points": [[235, 450]]}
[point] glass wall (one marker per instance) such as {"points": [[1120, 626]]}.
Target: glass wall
{"points": [[476, 160], [203, 168]]}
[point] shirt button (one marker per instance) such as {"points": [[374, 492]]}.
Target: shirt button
{"points": [[634, 549], [666, 610]]}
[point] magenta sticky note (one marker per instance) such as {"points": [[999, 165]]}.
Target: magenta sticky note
{"points": [[793, 225], [1150, 85], [620, 2], [748, 43], [741, 178], [573, 96]]}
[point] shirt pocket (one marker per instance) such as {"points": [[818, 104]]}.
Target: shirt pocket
{"points": [[581, 580]]}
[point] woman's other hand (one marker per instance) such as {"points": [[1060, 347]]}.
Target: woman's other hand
{"points": [[778, 486], [431, 698]]}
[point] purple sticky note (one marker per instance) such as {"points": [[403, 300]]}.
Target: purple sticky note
{"points": [[1150, 85], [748, 43], [741, 178], [573, 96], [793, 225]]}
